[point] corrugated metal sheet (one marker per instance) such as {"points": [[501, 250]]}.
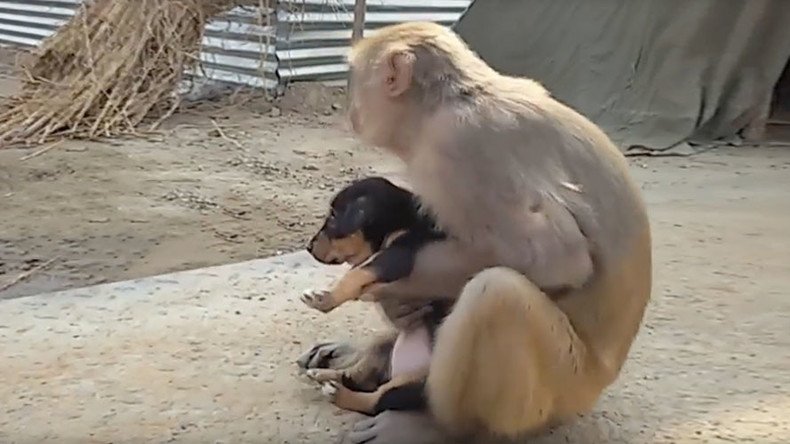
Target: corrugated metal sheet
{"points": [[238, 47], [28, 22], [304, 40], [313, 36]]}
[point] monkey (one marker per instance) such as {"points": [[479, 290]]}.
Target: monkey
{"points": [[550, 262], [377, 227]]}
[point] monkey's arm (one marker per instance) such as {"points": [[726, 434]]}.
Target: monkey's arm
{"points": [[396, 261], [544, 243], [440, 270]]}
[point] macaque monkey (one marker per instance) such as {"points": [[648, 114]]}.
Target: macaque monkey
{"points": [[378, 228], [550, 262]]}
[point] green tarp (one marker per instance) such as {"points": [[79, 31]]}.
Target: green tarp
{"points": [[652, 73]]}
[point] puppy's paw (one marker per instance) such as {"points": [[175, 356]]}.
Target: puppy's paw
{"points": [[328, 355], [322, 375], [320, 300], [329, 390]]}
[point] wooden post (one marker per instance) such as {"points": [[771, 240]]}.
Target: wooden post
{"points": [[359, 20], [357, 31]]}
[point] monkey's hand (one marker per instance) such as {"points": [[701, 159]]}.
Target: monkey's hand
{"points": [[546, 245]]}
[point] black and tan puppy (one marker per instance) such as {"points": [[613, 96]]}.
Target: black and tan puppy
{"points": [[377, 227]]}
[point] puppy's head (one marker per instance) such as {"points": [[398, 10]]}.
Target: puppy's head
{"points": [[360, 217]]}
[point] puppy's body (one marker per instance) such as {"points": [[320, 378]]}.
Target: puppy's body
{"points": [[371, 219], [378, 228]]}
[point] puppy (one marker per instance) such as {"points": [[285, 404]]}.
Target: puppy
{"points": [[377, 227]]}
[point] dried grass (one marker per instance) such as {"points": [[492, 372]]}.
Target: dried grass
{"points": [[116, 64]]}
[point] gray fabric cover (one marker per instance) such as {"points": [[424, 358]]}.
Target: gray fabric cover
{"points": [[652, 73]]}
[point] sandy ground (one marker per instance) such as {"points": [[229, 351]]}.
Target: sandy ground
{"points": [[711, 365], [207, 356], [221, 183]]}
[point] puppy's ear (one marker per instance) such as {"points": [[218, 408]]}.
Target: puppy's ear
{"points": [[354, 217]]}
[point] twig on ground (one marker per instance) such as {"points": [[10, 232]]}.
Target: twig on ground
{"points": [[25, 275], [41, 151], [227, 237], [224, 136], [657, 154]]}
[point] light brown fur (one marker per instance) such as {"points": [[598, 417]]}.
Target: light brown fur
{"points": [[550, 254], [352, 249], [350, 287]]}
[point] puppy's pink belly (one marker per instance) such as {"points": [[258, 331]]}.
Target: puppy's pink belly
{"points": [[411, 352]]}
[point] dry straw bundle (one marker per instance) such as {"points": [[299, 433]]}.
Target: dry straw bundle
{"points": [[116, 63]]}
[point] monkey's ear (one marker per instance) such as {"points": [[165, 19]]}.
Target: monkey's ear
{"points": [[400, 67]]}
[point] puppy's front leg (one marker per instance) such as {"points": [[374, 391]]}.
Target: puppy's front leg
{"points": [[349, 288]]}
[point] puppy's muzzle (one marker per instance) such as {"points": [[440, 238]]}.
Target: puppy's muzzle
{"points": [[320, 247]]}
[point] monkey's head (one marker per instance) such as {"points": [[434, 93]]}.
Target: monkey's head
{"points": [[360, 218], [402, 74]]}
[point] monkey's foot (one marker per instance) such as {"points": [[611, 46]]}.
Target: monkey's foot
{"points": [[392, 427], [320, 300], [329, 355]]}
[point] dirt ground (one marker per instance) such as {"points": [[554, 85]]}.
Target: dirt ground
{"points": [[207, 356], [223, 182]]}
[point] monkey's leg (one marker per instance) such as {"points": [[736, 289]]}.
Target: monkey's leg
{"points": [[508, 359], [506, 362]]}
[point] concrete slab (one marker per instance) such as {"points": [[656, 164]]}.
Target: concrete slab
{"points": [[198, 356], [207, 356]]}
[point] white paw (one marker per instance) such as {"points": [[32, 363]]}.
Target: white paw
{"points": [[313, 373], [320, 300], [329, 390], [309, 295]]}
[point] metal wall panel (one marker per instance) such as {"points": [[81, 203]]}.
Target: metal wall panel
{"points": [[238, 47], [313, 36], [304, 40]]}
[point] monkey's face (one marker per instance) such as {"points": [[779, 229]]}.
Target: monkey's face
{"points": [[379, 105], [368, 108]]}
